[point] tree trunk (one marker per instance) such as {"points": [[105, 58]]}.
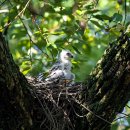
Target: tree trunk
{"points": [[108, 84], [14, 96], [104, 94]]}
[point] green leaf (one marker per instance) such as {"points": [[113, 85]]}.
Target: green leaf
{"points": [[90, 6], [114, 126], [92, 11], [76, 49], [128, 119], [96, 23], [117, 17], [102, 17], [67, 3], [26, 70], [13, 13], [61, 39], [41, 43]]}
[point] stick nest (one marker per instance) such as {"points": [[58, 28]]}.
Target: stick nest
{"points": [[56, 105]]}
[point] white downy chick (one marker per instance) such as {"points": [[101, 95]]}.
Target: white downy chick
{"points": [[63, 62], [62, 68]]}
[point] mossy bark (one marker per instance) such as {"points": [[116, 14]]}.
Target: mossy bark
{"points": [[108, 87], [105, 92]]}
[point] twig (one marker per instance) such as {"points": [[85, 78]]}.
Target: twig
{"points": [[20, 13], [125, 11], [30, 52], [97, 1], [128, 106], [2, 3], [47, 114], [31, 41], [31, 37], [119, 118], [40, 30], [92, 112], [58, 98], [124, 114], [77, 113], [92, 13]]}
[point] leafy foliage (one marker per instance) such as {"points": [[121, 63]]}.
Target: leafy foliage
{"points": [[39, 29]]}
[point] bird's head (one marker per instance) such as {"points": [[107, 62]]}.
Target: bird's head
{"points": [[66, 55]]}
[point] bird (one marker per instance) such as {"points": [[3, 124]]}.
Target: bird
{"points": [[63, 61], [61, 70]]}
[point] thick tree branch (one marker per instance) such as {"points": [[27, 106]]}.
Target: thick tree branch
{"points": [[14, 96], [108, 85]]}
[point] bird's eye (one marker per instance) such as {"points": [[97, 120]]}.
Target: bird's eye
{"points": [[70, 55]]}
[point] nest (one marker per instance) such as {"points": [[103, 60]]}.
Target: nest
{"points": [[56, 105]]}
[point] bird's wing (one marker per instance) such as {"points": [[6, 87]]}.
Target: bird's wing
{"points": [[40, 77], [57, 74], [55, 67]]}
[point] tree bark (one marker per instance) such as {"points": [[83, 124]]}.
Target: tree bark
{"points": [[14, 96], [104, 94], [108, 84]]}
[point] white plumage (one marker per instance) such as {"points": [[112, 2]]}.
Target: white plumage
{"points": [[61, 70]]}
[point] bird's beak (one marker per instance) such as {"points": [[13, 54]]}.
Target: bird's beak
{"points": [[70, 55]]}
